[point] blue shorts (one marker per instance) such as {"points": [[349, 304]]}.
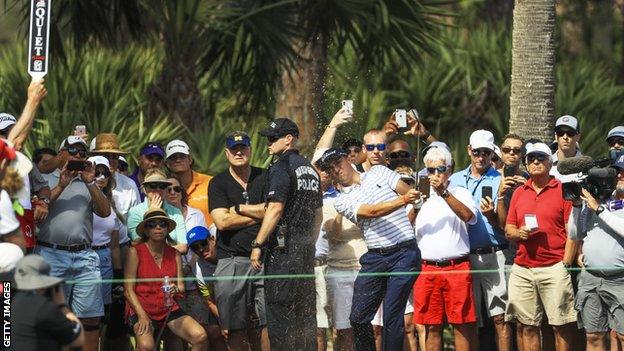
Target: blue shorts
{"points": [[106, 272], [85, 299]]}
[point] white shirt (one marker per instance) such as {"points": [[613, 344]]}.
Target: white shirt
{"points": [[376, 186], [441, 235], [103, 227], [23, 197], [8, 221], [125, 195]]}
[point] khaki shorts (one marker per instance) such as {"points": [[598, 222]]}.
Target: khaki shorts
{"points": [[533, 291]]}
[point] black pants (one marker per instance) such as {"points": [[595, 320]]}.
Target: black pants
{"points": [[291, 302]]}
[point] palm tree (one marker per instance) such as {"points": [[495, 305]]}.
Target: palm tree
{"points": [[533, 69]]}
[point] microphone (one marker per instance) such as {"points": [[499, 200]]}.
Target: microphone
{"points": [[602, 173], [573, 165]]}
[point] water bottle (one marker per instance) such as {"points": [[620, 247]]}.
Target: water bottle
{"points": [[166, 288]]}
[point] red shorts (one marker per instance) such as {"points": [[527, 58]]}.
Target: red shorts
{"points": [[440, 293], [27, 224]]}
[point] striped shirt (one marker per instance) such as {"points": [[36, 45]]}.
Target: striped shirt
{"points": [[377, 185]]}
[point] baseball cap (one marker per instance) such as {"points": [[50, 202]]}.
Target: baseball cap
{"points": [[538, 148], [99, 160], [32, 273], [177, 146], [196, 234], [152, 148], [6, 120], [482, 139], [567, 121], [10, 254], [435, 144], [497, 151], [17, 160], [280, 127], [616, 132], [619, 163], [329, 158], [237, 138], [73, 139]]}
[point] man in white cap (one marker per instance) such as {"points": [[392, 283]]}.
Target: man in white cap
{"points": [[488, 245], [40, 318], [179, 161], [567, 136], [539, 282]]}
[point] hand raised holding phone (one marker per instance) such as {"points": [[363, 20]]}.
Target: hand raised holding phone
{"points": [[342, 117]]}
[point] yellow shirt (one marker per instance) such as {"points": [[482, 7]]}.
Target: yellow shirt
{"points": [[198, 194]]}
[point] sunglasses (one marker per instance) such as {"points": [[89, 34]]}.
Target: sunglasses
{"points": [[371, 147], [103, 172], [532, 158], [154, 224], [481, 152], [569, 133], [72, 150], [508, 150], [400, 154], [354, 150], [439, 169], [613, 141], [199, 245], [177, 189], [161, 186]]}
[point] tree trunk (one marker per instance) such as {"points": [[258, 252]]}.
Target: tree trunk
{"points": [[533, 69], [301, 97]]}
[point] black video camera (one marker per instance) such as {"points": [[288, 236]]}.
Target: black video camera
{"points": [[598, 177]]}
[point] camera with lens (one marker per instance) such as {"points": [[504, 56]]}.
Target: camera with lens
{"points": [[596, 176]]}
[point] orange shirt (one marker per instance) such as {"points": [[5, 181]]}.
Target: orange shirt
{"points": [[198, 194]]}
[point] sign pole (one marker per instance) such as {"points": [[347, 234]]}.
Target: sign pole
{"points": [[39, 38]]}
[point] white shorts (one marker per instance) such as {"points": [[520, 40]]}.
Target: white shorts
{"points": [[409, 308], [491, 285], [340, 294], [322, 319]]}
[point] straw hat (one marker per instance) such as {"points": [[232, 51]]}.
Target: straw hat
{"points": [[156, 214], [156, 176], [107, 143]]}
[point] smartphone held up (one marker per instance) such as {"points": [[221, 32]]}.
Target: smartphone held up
{"points": [[400, 116]]}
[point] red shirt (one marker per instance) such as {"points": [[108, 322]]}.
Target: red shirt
{"points": [[546, 246], [150, 294]]}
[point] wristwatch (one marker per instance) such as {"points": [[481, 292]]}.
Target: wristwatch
{"points": [[255, 245], [600, 209], [45, 200], [445, 194]]}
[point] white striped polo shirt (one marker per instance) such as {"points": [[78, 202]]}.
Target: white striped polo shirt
{"points": [[376, 186]]}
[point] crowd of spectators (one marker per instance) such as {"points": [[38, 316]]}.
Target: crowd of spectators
{"points": [[368, 245]]}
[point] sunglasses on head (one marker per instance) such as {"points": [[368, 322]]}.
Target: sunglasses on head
{"points": [[400, 154], [613, 141], [481, 152], [371, 147], [508, 150], [539, 157], [161, 186], [177, 189], [569, 133], [153, 224], [439, 169], [72, 150], [199, 245]]}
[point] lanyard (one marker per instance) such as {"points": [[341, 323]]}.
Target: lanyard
{"points": [[478, 183]]}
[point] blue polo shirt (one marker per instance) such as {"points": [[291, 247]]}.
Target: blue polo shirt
{"points": [[481, 234]]}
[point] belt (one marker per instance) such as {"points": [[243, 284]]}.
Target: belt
{"points": [[320, 261], [100, 247], [488, 250], [392, 249], [71, 248], [446, 263]]}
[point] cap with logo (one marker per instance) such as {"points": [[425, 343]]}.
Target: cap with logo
{"points": [[177, 147], [237, 138], [616, 132], [197, 233], [482, 139], [6, 120], [330, 157], [280, 127], [152, 148], [33, 272], [538, 148], [567, 121], [72, 140]]}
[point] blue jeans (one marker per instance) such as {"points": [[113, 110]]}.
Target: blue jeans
{"points": [[106, 272], [393, 290], [85, 299]]}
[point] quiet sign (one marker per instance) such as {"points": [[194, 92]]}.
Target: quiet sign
{"points": [[39, 38]]}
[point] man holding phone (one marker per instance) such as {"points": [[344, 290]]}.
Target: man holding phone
{"points": [[487, 240], [539, 281]]}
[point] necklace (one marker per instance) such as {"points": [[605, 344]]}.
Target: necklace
{"points": [[156, 256]]}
